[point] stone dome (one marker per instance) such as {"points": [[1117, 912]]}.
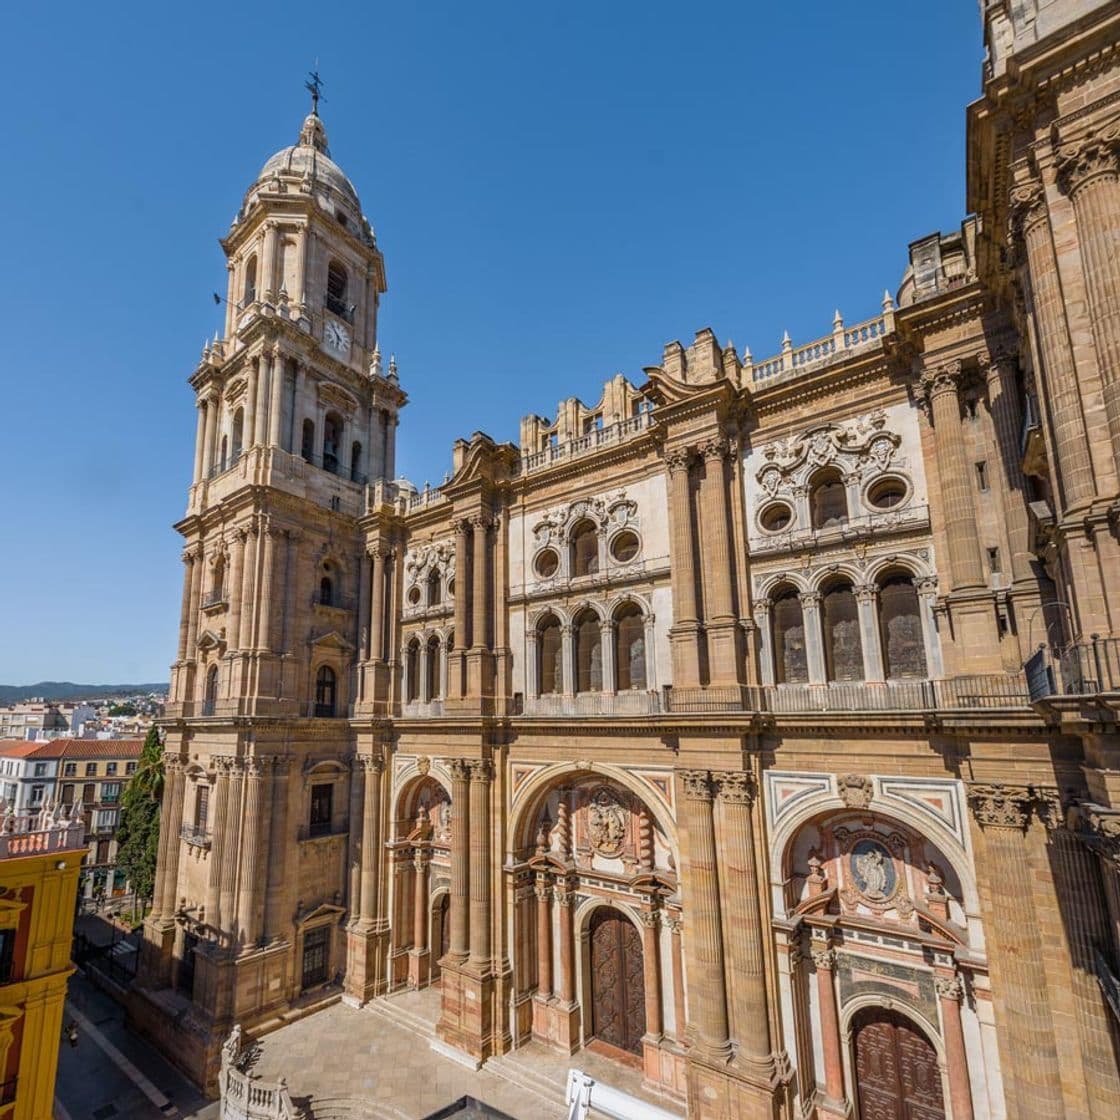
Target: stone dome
{"points": [[310, 157]]}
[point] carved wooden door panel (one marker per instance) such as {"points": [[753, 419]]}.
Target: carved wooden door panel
{"points": [[618, 1013], [897, 1077]]}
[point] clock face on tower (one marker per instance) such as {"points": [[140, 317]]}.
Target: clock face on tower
{"points": [[336, 338]]}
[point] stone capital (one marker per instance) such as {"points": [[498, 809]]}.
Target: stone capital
{"points": [[1001, 806], [697, 784], [651, 919], [679, 459], [824, 959], [1027, 205], [715, 449], [482, 770], [943, 379], [736, 787], [367, 763], [460, 769], [948, 987], [1093, 157]]}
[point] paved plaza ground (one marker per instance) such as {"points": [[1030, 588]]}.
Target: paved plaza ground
{"points": [[377, 1062]]}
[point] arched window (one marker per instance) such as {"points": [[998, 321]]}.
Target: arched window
{"points": [[630, 647], [432, 654], [843, 649], [791, 665], [332, 435], [223, 459], [589, 652], [326, 591], [550, 659], [307, 447], [828, 501], [356, 462], [250, 291], [585, 549], [337, 283], [900, 627], [218, 581], [412, 670], [435, 588], [238, 434], [211, 696], [325, 691]]}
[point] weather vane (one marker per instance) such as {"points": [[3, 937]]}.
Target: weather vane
{"points": [[314, 86]]}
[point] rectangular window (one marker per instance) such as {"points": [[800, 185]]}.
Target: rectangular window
{"points": [[68, 794], [7, 954], [316, 958], [993, 560], [982, 476], [91, 769], [110, 792], [130, 768], [202, 807], [37, 795], [70, 769], [40, 769], [106, 819], [110, 768], [322, 796], [89, 792]]}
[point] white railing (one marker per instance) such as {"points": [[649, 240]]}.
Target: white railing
{"points": [[609, 434], [831, 348], [912, 516], [243, 1097], [584, 1094], [51, 829], [631, 703]]}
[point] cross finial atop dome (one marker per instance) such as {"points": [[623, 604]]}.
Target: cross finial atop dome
{"points": [[314, 86]]}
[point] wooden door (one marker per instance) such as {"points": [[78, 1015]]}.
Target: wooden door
{"points": [[618, 1010], [897, 1077]]}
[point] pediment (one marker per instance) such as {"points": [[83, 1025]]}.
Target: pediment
{"points": [[211, 639], [323, 910], [332, 640]]}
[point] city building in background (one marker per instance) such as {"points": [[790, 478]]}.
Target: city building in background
{"points": [[754, 725]]}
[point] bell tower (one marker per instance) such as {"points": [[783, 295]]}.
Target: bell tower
{"points": [[296, 423]]}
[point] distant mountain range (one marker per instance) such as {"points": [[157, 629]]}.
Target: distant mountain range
{"points": [[68, 690]]}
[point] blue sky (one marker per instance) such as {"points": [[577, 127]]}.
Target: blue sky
{"points": [[558, 189]]}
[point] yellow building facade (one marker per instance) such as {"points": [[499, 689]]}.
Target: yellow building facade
{"points": [[40, 856]]}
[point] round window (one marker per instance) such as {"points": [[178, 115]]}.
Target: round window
{"points": [[546, 563], [886, 493], [414, 596], [625, 546], [776, 517]]}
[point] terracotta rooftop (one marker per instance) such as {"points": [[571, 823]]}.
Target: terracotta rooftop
{"points": [[100, 748], [25, 748]]}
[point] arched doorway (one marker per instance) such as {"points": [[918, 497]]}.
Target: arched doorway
{"points": [[618, 1014], [897, 1074], [441, 933]]}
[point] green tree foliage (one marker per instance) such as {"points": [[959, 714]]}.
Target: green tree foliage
{"points": [[122, 709], [138, 834]]}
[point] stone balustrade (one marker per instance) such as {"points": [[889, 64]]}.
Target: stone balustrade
{"points": [[56, 829]]}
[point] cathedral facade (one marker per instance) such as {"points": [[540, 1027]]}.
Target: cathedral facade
{"points": [[755, 725]]}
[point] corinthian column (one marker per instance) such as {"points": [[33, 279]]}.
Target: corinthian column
{"points": [[460, 858], [185, 602], [544, 937], [171, 822], [682, 543], [1063, 400], [651, 953], [1030, 1058], [949, 992], [480, 565], [701, 893], [482, 773], [250, 888], [1089, 171], [956, 482], [372, 766], [1077, 881], [231, 852], [1003, 402], [824, 961], [217, 844], [713, 505], [236, 557], [749, 1016]]}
